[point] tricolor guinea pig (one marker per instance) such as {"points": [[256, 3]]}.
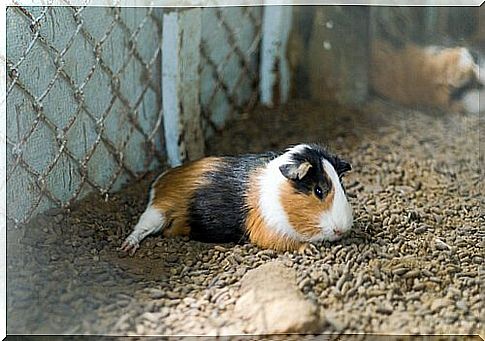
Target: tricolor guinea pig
{"points": [[433, 76], [279, 200]]}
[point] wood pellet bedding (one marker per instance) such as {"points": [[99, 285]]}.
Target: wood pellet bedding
{"points": [[413, 263]]}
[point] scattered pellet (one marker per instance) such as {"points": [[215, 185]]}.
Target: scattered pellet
{"points": [[411, 264]]}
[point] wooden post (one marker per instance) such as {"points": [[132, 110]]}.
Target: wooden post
{"points": [[181, 85], [274, 68]]}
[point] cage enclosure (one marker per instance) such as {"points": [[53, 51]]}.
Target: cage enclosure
{"points": [[100, 100]]}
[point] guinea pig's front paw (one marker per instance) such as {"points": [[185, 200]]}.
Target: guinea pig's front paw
{"points": [[130, 245], [308, 249]]}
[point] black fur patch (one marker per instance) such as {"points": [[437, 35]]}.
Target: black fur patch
{"points": [[316, 174], [458, 93], [217, 210]]}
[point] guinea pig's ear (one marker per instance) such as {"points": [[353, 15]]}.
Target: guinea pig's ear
{"points": [[341, 166], [295, 171]]}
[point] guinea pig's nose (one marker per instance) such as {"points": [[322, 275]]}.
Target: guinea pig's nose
{"points": [[337, 232]]}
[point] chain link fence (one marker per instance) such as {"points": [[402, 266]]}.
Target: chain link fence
{"points": [[231, 39], [84, 101]]}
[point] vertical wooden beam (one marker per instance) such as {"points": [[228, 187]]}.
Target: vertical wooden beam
{"points": [[274, 68], [181, 85]]}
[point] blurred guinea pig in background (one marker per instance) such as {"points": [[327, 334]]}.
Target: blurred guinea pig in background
{"points": [[434, 76], [279, 200], [473, 100]]}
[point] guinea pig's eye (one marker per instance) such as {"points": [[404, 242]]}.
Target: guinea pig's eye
{"points": [[318, 192]]}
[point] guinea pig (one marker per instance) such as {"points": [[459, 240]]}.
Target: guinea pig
{"points": [[279, 200], [432, 76]]}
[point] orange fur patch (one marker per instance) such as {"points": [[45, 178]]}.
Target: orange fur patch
{"points": [[413, 75], [258, 231], [173, 190], [304, 211]]}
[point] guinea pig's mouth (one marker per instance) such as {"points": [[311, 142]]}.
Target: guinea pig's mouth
{"points": [[339, 234], [330, 234], [332, 229]]}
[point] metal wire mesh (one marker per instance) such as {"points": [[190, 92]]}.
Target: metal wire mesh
{"points": [[83, 103], [84, 107], [230, 47]]}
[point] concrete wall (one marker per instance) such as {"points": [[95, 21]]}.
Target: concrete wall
{"points": [[68, 101], [230, 39], [333, 61]]}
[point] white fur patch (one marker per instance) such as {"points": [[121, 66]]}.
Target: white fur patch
{"points": [[433, 49], [151, 221], [270, 183], [295, 149], [466, 59], [473, 100], [339, 216]]}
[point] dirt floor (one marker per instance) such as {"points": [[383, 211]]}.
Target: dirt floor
{"points": [[413, 263]]}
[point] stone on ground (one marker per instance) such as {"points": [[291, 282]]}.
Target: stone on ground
{"points": [[271, 302]]}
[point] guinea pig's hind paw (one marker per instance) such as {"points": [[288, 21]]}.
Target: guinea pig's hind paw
{"points": [[129, 246]]}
